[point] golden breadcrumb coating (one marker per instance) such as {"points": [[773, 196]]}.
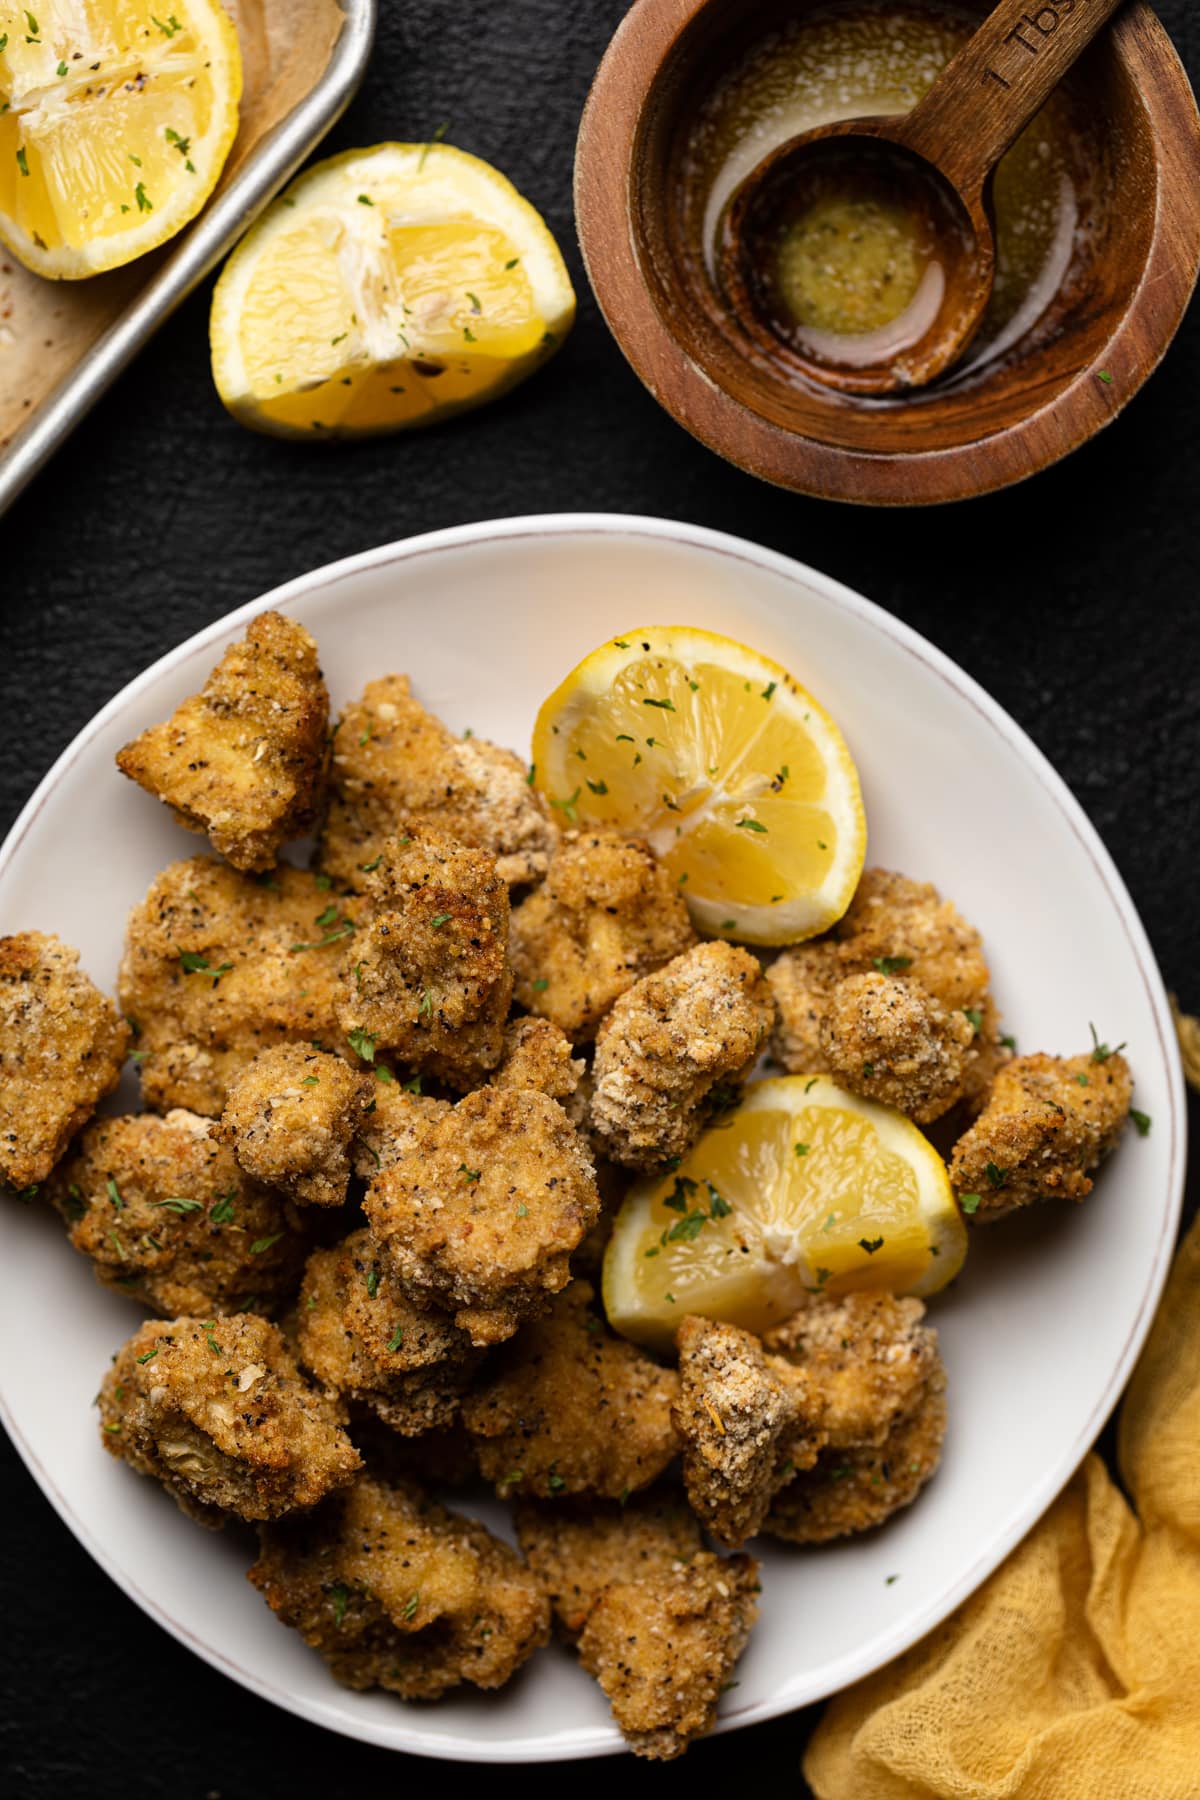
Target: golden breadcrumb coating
{"points": [[1048, 1123], [396, 1592], [481, 1209], [538, 1055], [290, 1118], [664, 1647], [430, 979], [243, 761], [746, 1422], [218, 966], [362, 1339], [397, 1122], [606, 914], [856, 1489], [569, 1408], [62, 1043], [395, 767], [673, 1051], [217, 1410], [167, 1217], [578, 1548], [867, 1358], [894, 1004]]}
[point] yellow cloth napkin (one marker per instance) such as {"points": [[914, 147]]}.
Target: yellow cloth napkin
{"points": [[1074, 1674]]}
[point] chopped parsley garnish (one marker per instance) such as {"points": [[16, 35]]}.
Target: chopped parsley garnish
{"points": [[974, 1016], [328, 916], [383, 1073], [413, 1086], [311, 1081], [811, 1083], [663, 705], [114, 1194], [469, 1175], [801, 1149], [179, 1206], [437, 137], [1104, 376], [372, 1283], [1009, 1042], [870, 1245], [221, 1212], [891, 965], [555, 1482], [261, 1244], [339, 1595], [1101, 1052], [208, 1328], [532, 775], [750, 825], [1141, 1120], [365, 200], [396, 1339], [23, 165], [438, 920], [170, 28], [567, 807], [410, 1610], [598, 787], [769, 689], [522, 1211], [362, 1043], [426, 1007], [144, 202], [193, 963], [996, 1176], [540, 985], [868, 1071], [149, 1356], [370, 868], [969, 1202]]}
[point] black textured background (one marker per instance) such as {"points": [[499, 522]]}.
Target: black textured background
{"points": [[1073, 599]]}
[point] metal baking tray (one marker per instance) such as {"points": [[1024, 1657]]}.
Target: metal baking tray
{"points": [[63, 342]]}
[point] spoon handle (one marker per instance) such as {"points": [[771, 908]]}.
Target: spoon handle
{"points": [[988, 93]]}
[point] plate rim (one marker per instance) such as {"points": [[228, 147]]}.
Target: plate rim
{"points": [[890, 1641]]}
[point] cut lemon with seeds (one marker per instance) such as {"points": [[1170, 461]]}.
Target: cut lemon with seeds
{"points": [[385, 289], [739, 780], [803, 1189], [115, 122]]}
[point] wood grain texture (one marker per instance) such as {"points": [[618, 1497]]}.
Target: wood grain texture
{"points": [[1101, 337]]}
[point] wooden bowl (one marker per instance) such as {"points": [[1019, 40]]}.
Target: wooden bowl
{"points": [[1102, 334]]}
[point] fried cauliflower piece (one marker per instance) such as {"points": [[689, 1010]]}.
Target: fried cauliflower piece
{"points": [[396, 1123], [218, 966], [1048, 1123], [396, 1592], [166, 1216], [569, 1408], [673, 1051], [747, 1423], [290, 1118], [481, 1209], [395, 767], [856, 1489], [538, 1055], [243, 761], [218, 1411], [894, 1004], [577, 1549], [361, 1338], [867, 1359], [606, 914], [62, 1043], [664, 1647], [431, 979]]}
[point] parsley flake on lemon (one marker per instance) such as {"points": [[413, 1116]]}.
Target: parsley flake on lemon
{"points": [[739, 780], [386, 288], [804, 1188]]}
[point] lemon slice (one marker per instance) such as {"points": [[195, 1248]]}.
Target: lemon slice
{"points": [[740, 781], [803, 1188], [115, 122], [385, 289]]}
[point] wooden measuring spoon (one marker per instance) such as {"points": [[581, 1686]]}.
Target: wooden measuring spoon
{"points": [[936, 163]]}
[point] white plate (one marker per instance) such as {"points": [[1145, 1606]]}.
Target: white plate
{"points": [[1039, 1334]]}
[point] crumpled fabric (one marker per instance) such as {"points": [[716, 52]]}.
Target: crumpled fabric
{"points": [[1074, 1673]]}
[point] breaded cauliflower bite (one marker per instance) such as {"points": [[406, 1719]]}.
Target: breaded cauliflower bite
{"points": [[747, 1423], [481, 1209], [538, 1055], [217, 1410], [569, 1408], [395, 767], [1048, 1124], [673, 1051], [606, 914], [430, 979], [395, 1124], [290, 1118], [360, 1336], [894, 1004], [664, 1647], [218, 966], [167, 1217], [578, 1548], [878, 1381], [396, 1592], [62, 1043], [243, 760]]}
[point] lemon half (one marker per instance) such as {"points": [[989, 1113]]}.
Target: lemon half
{"points": [[386, 288], [742, 783], [115, 122], [804, 1188]]}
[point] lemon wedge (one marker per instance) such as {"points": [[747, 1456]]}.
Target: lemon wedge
{"points": [[115, 123], [803, 1188], [739, 780], [386, 288]]}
